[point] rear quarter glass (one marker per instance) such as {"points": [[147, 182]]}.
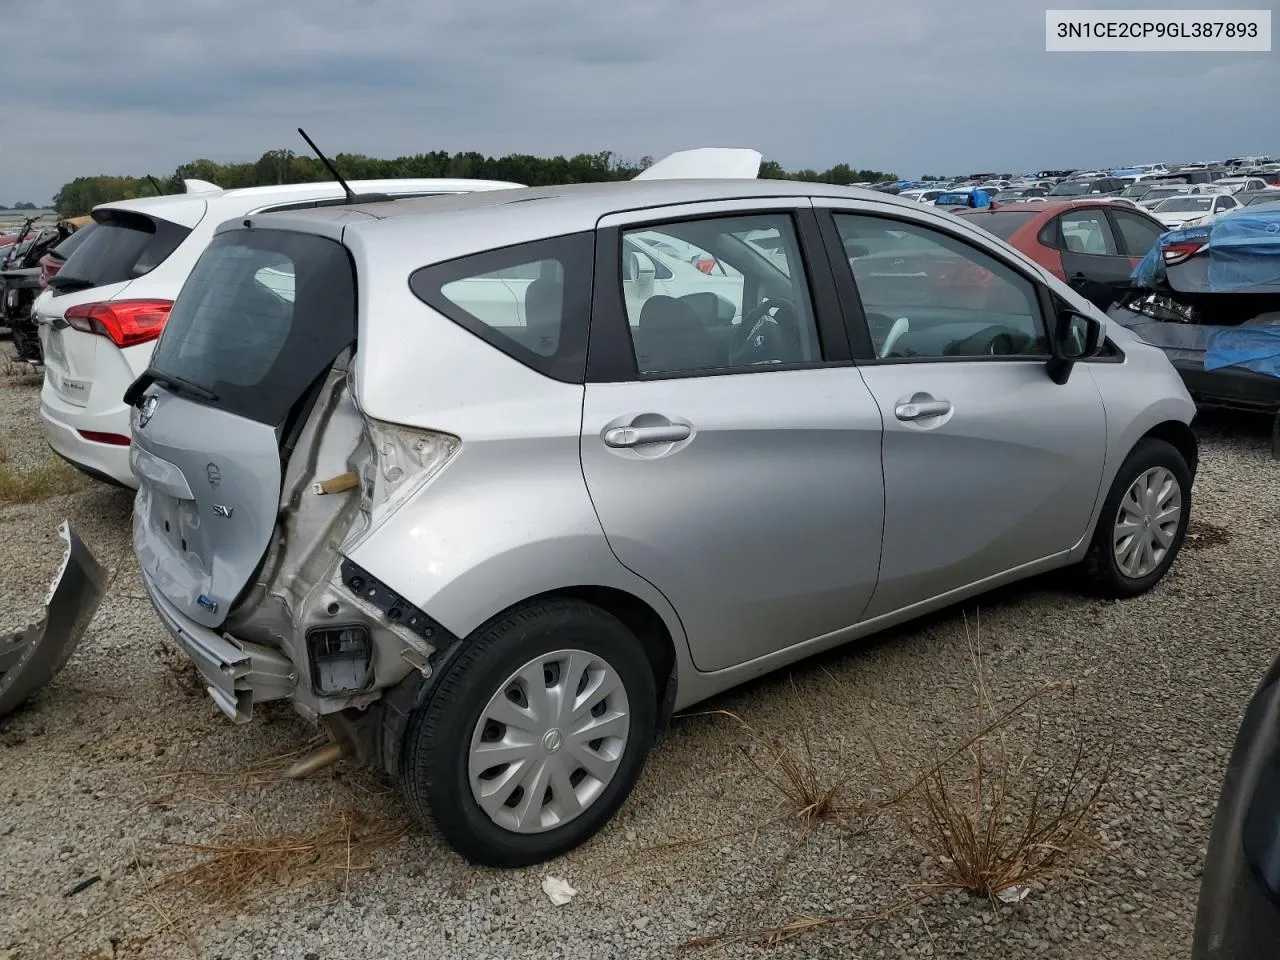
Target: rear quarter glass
{"points": [[121, 246], [263, 315]]}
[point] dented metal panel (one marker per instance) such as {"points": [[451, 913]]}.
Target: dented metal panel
{"points": [[30, 658]]}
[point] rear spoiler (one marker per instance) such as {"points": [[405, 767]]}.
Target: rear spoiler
{"points": [[705, 163]]}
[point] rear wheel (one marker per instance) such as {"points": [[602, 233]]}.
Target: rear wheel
{"points": [[1143, 521], [534, 735]]}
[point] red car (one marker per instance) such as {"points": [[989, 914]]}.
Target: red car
{"points": [[1091, 244]]}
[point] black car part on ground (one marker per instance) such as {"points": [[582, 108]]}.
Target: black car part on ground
{"points": [[1238, 917], [30, 658]]}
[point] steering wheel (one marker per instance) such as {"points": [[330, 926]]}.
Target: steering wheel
{"points": [[996, 340], [763, 336]]}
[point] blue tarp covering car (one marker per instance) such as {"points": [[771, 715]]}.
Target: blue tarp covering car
{"points": [[1243, 251], [1209, 296], [972, 197]]}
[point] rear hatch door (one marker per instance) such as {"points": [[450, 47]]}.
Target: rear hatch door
{"points": [[122, 246], [258, 324]]}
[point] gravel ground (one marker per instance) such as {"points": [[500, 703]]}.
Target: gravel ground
{"points": [[116, 766]]}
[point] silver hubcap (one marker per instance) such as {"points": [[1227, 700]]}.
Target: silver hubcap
{"points": [[1147, 522], [549, 741]]}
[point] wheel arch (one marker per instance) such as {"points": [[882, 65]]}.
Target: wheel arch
{"points": [[1179, 436], [644, 622]]}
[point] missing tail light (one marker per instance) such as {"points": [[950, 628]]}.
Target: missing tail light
{"points": [[341, 658], [126, 323], [403, 460]]}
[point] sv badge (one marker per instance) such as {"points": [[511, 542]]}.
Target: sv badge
{"points": [[222, 511]]}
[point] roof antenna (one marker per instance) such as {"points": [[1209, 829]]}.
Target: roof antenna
{"points": [[159, 192], [351, 194]]}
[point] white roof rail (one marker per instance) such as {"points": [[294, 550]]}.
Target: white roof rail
{"points": [[201, 186], [717, 163]]}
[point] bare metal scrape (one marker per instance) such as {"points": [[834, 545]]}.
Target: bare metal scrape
{"points": [[30, 658]]}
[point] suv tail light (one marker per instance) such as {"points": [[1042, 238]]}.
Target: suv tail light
{"points": [[49, 266], [126, 323], [1176, 253]]}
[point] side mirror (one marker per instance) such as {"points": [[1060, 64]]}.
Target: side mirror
{"points": [[1075, 337]]}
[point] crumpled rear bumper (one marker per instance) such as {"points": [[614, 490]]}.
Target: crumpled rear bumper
{"points": [[236, 673], [30, 658]]}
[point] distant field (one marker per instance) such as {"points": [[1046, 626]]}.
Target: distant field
{"points": [[10, 217]]}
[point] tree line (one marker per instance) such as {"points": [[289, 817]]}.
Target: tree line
{"points": [[284, 166]]}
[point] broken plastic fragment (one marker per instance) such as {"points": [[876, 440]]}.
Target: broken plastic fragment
{"points": [[559, 891], [1014, 894], [30, 658]]}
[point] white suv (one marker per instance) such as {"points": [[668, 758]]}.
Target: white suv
{"points": [[102, 314]]}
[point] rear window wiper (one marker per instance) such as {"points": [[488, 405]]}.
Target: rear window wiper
{"points": [[176, 384]]}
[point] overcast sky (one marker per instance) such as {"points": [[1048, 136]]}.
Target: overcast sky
{"points": [[134, 86]]}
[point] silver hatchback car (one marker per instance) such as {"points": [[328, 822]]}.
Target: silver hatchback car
{"points": [[492, 484]]}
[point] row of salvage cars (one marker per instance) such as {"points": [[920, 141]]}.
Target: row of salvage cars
{"points": [[490, 484]]}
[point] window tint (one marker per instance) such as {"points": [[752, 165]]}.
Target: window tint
{"points": [[123, 246], [739, 300], [928, 294], [263, 314], [1087, 231], [1138, 233], [531, 301], [1226, 203]]}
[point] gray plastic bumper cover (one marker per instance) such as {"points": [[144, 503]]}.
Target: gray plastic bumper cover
{"points": [[30, 658]]}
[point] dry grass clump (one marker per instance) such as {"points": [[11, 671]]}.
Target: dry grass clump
{"points": [[245, 859], [996, 816], [806, 789], [994, 813], [33, 484]]}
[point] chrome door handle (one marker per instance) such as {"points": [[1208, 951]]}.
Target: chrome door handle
{"points": [[635, 436], [922, 410]]}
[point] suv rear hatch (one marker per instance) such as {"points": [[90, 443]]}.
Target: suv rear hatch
{"points": [[122, 246], [248, 344]]}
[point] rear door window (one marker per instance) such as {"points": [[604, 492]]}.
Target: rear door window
{"points": [[1087, 231], [122, 246], [262, 316], [532, 301], [1139, 233]]}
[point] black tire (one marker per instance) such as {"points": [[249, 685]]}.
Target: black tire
{"points": [[1100, 569], [437, 739]]}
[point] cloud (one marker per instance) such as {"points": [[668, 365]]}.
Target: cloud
{"points": [[127, 86]]}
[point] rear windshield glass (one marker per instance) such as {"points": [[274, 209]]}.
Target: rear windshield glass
{"points": [[68, 246], [1073, 188], [1184, 204], [1001, 224], [262, 316], [123, 246]]}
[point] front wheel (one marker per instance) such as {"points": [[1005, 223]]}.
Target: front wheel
{"points": [[1143, 521], [534, 736]]}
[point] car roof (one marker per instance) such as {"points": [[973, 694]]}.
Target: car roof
{"points": [[572, 207], [479, 221], [249, 198]]}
